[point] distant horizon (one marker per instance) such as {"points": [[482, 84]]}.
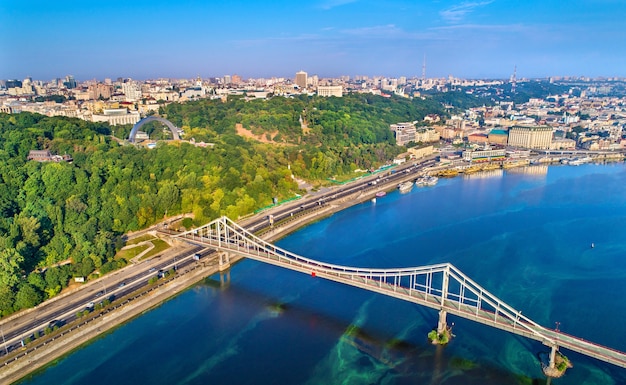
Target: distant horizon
{"points": [[468, 39], [352, 77]]}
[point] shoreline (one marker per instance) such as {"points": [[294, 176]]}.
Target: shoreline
{"points": [[46, 350]]}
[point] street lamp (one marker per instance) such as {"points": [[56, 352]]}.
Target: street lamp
{"points": [[557, 326], [104, 287]]}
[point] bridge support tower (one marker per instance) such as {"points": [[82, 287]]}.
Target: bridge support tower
{"points": [[443, 333], [442, 325], [553, 351], [558, 363], [224, 261]]}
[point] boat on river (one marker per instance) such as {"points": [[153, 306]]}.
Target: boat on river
{"points": [[427, 180], [431, 180], [405, 187], [579, 161], [380, 194]]}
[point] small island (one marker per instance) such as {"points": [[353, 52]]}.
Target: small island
{"points": [[561, 364], [442, 338]]}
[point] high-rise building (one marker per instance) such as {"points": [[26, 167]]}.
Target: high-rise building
{"points": [[69, 82], [301, 78], [530, 137], [131, 90]]}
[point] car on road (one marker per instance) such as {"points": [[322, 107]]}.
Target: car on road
{"points": [[122, 284], [98, 294], [56, 324], [152, 270]]}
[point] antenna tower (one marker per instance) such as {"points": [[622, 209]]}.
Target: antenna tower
{"points": [[514, 80]]}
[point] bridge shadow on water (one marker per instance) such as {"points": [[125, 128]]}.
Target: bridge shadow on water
{"points": [[408, 360]]}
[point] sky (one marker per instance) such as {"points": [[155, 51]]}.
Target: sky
{"points": [[146, 39]]}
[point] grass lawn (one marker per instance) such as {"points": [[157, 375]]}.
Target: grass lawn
{"points": [[159, 246], [143, 238], [131, 253]]}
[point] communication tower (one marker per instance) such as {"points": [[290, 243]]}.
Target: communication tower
{"points": [[514, 79]]}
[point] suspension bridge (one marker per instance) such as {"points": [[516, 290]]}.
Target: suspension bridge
{"points": [[442, 287]]}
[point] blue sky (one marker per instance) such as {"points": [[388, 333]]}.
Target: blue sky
{"points": [[185, 38]]}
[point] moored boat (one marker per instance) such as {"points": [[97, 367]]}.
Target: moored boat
{"points": [[405, 187], [431, 180], [579, 161], [381, 194]]}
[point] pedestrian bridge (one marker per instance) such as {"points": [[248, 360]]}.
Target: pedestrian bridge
{"points": [[442, 287]]}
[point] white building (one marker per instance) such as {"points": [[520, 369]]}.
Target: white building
{"points": [[330, 91], [117, 116], [404, 132], [131, 91]]}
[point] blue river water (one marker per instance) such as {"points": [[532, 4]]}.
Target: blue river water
{"points": [[524, 235]]}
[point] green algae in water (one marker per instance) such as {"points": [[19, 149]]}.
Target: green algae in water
{"points": [[462, 363]]}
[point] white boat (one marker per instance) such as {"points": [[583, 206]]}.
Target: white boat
{"points": [[579, 161], [405, 187], [421, 181], [431, 180]]}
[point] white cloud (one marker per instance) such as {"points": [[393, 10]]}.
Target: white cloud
{"points": [[457, 13]]}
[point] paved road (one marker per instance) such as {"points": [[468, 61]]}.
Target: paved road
{"points": [[63, 309]]}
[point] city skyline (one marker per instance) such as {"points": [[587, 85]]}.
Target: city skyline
{"points": [[468, 39]]}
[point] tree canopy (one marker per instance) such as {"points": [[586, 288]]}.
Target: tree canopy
{"points": [[65, 219]]}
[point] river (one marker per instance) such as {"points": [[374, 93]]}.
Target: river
{"points": [[524, 235]]}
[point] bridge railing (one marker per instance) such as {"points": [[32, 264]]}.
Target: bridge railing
{"points": [[441, 283]]}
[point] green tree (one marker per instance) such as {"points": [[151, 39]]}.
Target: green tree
{"points": [[36, 280], [56, 278], [7, 300], [27, 296], [10, 267]]}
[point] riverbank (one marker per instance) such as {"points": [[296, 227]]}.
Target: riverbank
{"points": [[69, 338]]}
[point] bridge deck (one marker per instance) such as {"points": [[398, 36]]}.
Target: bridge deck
{"points": [[440, 287]]}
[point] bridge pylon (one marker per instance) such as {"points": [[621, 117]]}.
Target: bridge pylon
{"points": [[553, 351], [442, 326], [224, 261], [558, 363]]}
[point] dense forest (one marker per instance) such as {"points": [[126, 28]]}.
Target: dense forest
{"points": [[65, 219]]}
